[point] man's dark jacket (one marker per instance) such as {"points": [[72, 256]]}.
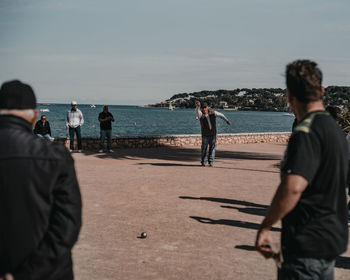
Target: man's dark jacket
{"points": [[206, 131], [40, 204], [42, 128]]}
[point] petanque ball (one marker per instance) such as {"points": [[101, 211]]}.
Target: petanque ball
{"points": [[143, 235]]}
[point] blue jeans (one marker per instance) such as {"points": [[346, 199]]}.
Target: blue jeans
{"points": [[307, 269], [71, 136], [103, 135], [45, 136], [211, 142]]}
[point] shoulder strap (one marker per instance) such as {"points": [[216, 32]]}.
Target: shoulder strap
{"points": [[305, 124]]}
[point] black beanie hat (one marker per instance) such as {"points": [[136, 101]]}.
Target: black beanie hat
{"points": [[16, 95]]}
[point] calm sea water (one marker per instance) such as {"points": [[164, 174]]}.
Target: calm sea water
{"points": [[133, 121]]}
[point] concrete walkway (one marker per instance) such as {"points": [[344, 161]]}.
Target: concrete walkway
{"points": [[201, 222]]}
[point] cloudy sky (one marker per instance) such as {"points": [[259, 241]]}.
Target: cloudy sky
{"points": [[141, 52]]}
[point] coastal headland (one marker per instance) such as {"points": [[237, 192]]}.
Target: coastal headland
{"points": [[250, 99], [201, 222]]}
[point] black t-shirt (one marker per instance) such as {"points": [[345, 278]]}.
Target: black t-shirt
{"points": [[107, 125], [317, 226]]}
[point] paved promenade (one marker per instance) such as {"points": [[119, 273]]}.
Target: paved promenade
{"points": [[201, 222]]}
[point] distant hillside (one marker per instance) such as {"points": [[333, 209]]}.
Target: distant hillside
{"points": [[255, 99]]}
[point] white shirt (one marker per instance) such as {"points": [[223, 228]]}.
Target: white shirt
{"points": [[74, 118]]}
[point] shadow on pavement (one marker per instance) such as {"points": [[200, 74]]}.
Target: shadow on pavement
{"points": [[170, 164], [249, 210], [227, 201], [245, 247], [342, 262], [233, 223], [198, 165], [180, 154]]}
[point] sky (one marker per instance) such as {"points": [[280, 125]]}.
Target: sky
{"points": [[137, 52]]}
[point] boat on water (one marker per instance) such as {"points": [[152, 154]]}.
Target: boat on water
{"points": [[288, 114], [44, 110], [93, 106]]}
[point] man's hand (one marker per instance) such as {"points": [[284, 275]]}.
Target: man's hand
{"points": [[198, 104], [263, 243], [228, 122], [7, 276]]}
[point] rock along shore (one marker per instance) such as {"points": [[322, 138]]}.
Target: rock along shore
{"points": [[122, 142]]}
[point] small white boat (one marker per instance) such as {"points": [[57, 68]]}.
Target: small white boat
{"points": [[288, 114], [93, 106], [44, 110]]}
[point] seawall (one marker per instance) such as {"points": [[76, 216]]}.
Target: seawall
{"points": [[120, 142]]}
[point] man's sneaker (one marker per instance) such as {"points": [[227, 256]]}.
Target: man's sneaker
{"points": [[79, 151], [110, 151], [203, 164], [211, 164], [100, 151]]}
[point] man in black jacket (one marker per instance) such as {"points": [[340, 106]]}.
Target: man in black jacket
{"points": [[40, 203], [106, 118], [42, 128]]}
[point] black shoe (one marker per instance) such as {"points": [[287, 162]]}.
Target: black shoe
{"points": [[203, 164]]}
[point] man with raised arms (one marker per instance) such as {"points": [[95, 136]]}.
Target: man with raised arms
{"points": [[207, 118]]}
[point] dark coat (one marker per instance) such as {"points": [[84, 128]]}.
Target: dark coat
{"points": [[40, 204], [205, 126], [42, 129]]}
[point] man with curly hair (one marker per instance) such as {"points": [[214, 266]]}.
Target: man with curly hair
{"points": [[311, 198]]}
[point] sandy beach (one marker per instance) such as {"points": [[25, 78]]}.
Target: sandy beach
{"points": [[201, 222]]}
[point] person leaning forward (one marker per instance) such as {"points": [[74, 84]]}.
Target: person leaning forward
{"points": [[207, 118], [40, 202], [311, 198]]}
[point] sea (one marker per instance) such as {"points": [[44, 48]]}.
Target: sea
{"points": [[139, 121]]}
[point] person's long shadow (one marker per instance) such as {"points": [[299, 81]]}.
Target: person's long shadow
{"points": [[233, 223], [180, 154], [248, 210], [168, 164], [227, 201], [246, 247], [252, 208], [342, 262]]}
